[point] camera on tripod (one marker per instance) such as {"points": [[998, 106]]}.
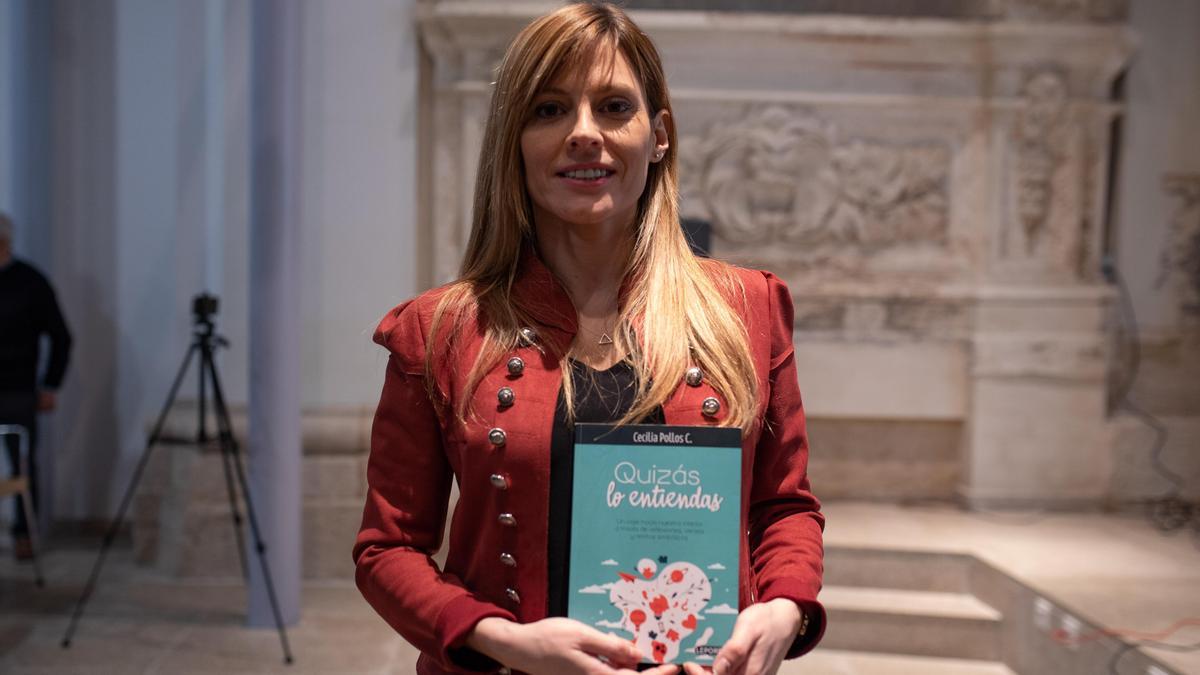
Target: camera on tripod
{"points": [[204, 306], [205, 342]]}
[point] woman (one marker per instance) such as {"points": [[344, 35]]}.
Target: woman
{"points": [[579, 300]]}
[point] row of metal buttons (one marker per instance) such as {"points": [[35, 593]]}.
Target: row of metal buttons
{"points": [[506, 397]]}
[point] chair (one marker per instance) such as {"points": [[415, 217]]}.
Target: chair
{"points": [[19, 485]]}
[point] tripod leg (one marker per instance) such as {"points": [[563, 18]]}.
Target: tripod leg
{"points": [[115, 525], [229, 445], [207, 370]]}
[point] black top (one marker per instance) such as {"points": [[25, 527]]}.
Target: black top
{"points": [[601, 396], [28, 310]]}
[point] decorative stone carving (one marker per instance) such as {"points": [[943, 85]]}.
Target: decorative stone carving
{"points": [[1040, 144], [782, 175], [1181, 256]]}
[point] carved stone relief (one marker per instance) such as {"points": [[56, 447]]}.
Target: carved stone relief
{"points": [[1180, 266], [1039, 138], [783, 176], [1047, 180]]}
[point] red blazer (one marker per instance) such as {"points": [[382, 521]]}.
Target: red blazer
{"points": [[496, 563]]}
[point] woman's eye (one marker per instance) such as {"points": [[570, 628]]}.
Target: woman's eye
{"points": [[617, 106], [547, 110]]}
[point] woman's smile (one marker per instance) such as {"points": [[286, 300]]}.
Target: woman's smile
{"points": [[586, 176]]}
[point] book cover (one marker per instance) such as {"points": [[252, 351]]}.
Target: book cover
{"points": [[654, 536]]}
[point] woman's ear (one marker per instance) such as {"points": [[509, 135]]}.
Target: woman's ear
{"points": [[661, 138]]}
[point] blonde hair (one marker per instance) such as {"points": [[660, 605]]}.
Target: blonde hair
{"points": [[676, 311]]}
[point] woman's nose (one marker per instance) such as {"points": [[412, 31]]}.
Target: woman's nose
{"points": [[584, 134]]}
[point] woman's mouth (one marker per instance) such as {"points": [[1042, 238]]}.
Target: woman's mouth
{"points": [[587, 175]]}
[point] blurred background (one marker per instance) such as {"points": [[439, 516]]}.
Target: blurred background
{"points": [[988, 212]]}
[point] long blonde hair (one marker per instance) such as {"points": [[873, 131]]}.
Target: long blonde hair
{"points": [[676, 311]]}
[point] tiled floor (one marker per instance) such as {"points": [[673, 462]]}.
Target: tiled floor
{"points": [[1115, 570]]}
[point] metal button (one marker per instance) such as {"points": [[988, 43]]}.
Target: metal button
{"points": [[529, 336], [513, 595], [516, 366], [507, 519], [506, 396], [504, 671], [694, 376], [499, 481], [710, 406], [508, 560], [497, 437]]}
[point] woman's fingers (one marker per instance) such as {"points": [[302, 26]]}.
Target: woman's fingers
{"points": [[619, 652], [690, 668], [731, 660]]}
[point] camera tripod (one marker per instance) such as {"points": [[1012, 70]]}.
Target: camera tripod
{"points": [[205, 341]]}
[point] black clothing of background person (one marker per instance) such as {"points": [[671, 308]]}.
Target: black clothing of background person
{"points": [[28, 310]]}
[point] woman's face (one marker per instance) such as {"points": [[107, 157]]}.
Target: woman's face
{"points": [[588, 145]]}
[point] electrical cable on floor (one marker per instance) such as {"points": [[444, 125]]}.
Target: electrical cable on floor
{"points": [[1063, 637], [1139, 639], [1171, 511], [1130, 646]]}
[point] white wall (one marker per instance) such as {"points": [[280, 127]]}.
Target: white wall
{"points": [[359, 181], [1160, 135]]}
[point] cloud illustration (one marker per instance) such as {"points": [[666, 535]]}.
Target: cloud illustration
{"points": [[610, 562], [722, 608], [597, 590], [716, 566], [609, 624]]}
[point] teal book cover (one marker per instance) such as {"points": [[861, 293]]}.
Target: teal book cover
{"points": [[654, 537]]}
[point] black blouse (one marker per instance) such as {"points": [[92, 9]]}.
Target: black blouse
{"points": [[601, 396]]}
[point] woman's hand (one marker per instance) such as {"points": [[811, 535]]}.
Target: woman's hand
{"points": [[760, 640], [557, 645]]}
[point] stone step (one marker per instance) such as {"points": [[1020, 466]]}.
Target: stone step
{"points": [[908, 570], [824, 661], [918, 623]]}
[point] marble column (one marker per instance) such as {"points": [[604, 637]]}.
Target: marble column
{"points": [[274, 438]]}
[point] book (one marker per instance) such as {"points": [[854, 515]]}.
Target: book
{"points": [[654, 537]]}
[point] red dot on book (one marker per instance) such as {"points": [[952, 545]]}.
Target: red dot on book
{"points": [[677, 576]]}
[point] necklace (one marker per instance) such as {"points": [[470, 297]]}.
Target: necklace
{"points": [[604, 340]]}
